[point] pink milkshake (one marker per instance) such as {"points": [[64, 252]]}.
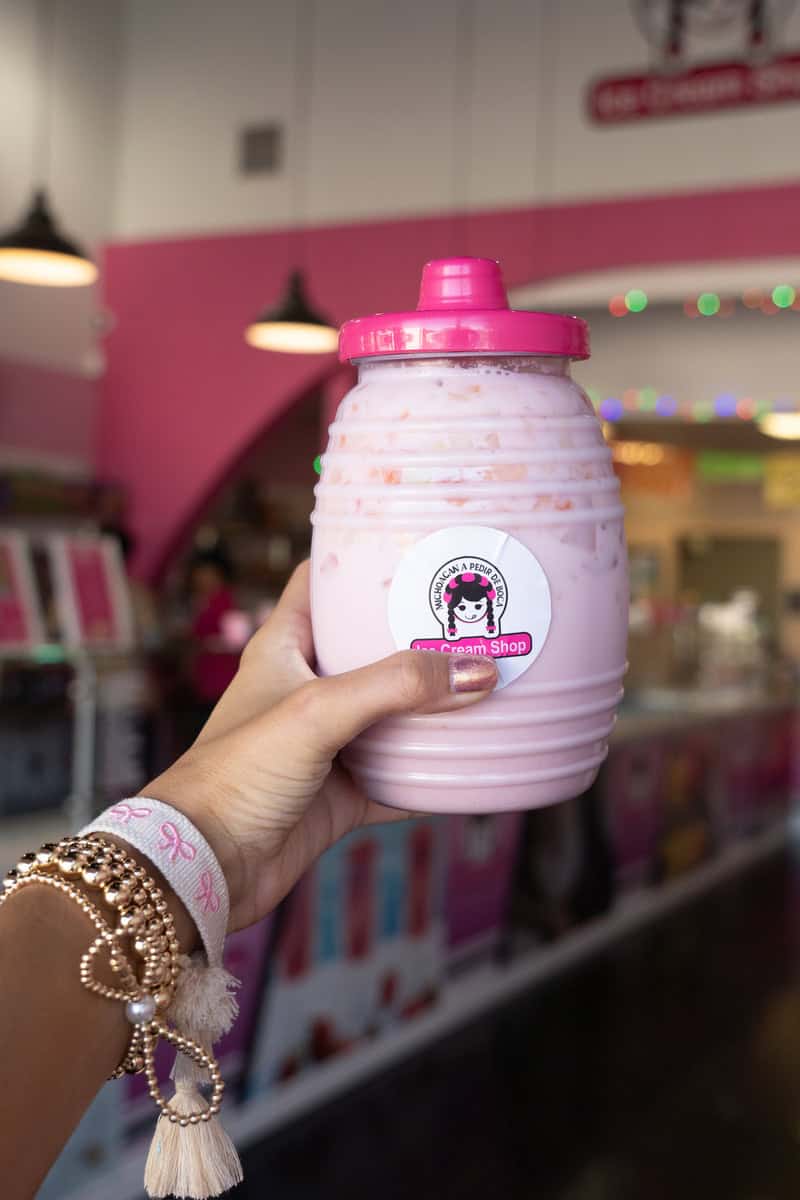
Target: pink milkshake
{"points": [[468, 504]]}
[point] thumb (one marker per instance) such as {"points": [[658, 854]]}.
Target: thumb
{"points": [[332, 711]]}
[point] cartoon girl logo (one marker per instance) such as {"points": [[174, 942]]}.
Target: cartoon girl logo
{"points": [[470, 606], [461, 605], [468, 597]]}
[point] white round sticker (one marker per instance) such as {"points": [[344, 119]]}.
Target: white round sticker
{"points": [[472, 590]]}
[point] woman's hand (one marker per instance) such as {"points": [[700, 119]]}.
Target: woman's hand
{"points": [[261, 782]]}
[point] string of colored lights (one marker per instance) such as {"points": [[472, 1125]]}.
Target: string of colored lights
{"points": [[781, 298], [648, 401]]}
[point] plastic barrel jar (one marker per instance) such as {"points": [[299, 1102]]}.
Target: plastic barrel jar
{"points": [[467, 504]]}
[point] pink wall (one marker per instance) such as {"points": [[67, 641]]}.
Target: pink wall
{"points": [[47, 412], [184, 396]]}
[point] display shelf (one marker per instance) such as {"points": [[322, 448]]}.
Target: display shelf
{"points": [[463, 999]]}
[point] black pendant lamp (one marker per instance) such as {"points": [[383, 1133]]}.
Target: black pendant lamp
{"points": [[36, 251], [293, 326]]}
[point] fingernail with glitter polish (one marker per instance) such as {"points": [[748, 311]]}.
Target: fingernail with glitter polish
{"points": [[468, 673]]}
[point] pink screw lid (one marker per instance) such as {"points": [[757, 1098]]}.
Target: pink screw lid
{"points": [[463, 309]]}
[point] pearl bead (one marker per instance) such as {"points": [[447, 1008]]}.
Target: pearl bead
{"points": [[138, 1011]]}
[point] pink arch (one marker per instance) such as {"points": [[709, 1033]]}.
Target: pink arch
{"points": [[184, 396]]}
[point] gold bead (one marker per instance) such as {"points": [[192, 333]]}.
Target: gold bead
{"points": [[70, 863], [206, 1116], [11, 878], [141, 945], [130, 920], [117, 894], [95, 873], [46, 852], [163, 997], [27, 863], [194, 1119]]}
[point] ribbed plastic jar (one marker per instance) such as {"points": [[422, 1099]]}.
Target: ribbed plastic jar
{"points": [[498, 450]]}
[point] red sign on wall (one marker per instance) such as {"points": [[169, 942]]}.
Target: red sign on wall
{"points": [[711, 87], [20, 619]]}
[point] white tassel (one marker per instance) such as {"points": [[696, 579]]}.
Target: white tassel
{"points": [[196, 1161], [204, 1008]]}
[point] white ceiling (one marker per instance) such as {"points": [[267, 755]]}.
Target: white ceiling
{"points": [[669, 284]]}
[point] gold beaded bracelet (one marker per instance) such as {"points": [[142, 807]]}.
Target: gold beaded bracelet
{"points": [[144, 930]]}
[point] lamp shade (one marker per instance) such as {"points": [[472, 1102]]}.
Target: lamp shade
{"points": [[36, 252], [293, 327]]}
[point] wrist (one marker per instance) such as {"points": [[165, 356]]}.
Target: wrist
{"points": [[167, 833], [185, 928], [198, 801]]}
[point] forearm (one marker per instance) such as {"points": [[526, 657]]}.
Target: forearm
{"points": [[58, 1041]]}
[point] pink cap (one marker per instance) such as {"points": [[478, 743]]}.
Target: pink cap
{"points": [[463, 309]]}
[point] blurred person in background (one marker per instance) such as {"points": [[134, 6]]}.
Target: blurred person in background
{"points": [[213, 661]]}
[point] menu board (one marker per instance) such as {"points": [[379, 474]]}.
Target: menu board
{"points": [[91, 592], [21, 626]]}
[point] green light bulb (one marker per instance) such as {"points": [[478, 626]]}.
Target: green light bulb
{"points": [[708, 304], [318, 464], [648, 398], [784, 295], [636, 300]]}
